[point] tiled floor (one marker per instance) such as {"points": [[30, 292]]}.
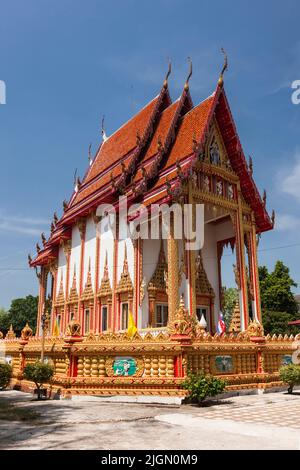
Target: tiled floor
{"points": [[285, 413]]}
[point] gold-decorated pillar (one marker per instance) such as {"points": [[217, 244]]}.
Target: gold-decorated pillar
{"points": [[191, 258], [241, 275], [253, 270], [173, 273], [42, 276]]}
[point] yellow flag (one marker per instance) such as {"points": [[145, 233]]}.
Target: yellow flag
{"points": [[56, 329], [132, 329]]}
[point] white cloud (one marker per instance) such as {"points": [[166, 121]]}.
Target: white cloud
{"points": [[287, 222], [22, 225], [290, 183]]}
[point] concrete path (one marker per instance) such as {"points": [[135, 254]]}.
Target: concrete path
{"points": [[270, 421]]}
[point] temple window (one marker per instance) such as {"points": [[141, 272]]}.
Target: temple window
{"points": [[72, 316], [161, 316], [86, 321], [157, 289], [124, 316], [124, 293], [104, 317], [214, 153]]}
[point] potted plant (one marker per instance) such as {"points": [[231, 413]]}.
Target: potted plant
{"points": [[39, 373], [290, 375], [5, 375], [201, 386]]}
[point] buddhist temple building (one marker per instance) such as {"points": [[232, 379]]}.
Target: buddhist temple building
{"points": [[170, 152]]}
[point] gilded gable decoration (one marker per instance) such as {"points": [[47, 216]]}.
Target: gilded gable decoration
{"points": [[73, 295], [88, 293], [60, 299], [105, 287], [235, 324], [125, 283], [158, 281], [10, 334], [203, 286]]}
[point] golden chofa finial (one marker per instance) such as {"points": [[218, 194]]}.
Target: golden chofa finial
{"points": [[167, 75], [186, 85], [225, 66]]}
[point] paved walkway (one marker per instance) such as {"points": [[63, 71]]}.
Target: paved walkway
{"points": [[270, 421]]}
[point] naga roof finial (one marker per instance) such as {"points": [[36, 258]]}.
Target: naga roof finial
{"points": [[225, 66], [273, 217], [264, 198], [104, 136], [186, 85], [167, 74], [250, 165], [90, 155]]}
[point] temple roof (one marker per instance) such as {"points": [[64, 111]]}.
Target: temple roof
{"points": [[143, 153]]}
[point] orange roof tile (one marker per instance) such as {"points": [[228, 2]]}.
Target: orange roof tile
{"points": [[161, 133], [121, 142], [192, 125], [117, 146]]}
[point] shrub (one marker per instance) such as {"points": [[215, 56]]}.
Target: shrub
{"points": [[5, 375], [290, 375], [39, 373], [201, 386]]}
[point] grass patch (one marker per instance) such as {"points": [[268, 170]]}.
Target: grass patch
{"points": [[10, 412]]}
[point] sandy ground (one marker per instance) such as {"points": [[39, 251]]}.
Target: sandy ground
{"points": [[270, 421]]}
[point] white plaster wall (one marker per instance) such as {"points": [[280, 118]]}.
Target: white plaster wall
{"points": [[61, 270], [210, 262], [224, 230], [106, 246], [75, 257], [90, 251]]}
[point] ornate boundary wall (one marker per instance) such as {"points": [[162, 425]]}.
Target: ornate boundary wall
{"points": [[87, 365]]}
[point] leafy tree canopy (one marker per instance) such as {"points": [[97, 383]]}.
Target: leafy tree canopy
{"points": [[275, 287], [230, 297], [277, 299], [21, 311]]}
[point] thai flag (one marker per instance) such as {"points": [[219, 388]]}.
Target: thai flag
{"points": [[221, 328]]}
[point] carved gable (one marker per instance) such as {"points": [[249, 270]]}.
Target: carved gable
{"points": [[203, 286]]}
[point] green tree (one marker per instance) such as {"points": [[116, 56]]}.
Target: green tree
{"points": [[201, 386], [21, 311], [4, 321], [39, 373], [277, 323], [230, 297], [290, 375], [277, 299], [276, 289], [5, 375]]}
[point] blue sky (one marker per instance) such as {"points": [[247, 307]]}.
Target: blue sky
{"points": [[65, 63]]}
